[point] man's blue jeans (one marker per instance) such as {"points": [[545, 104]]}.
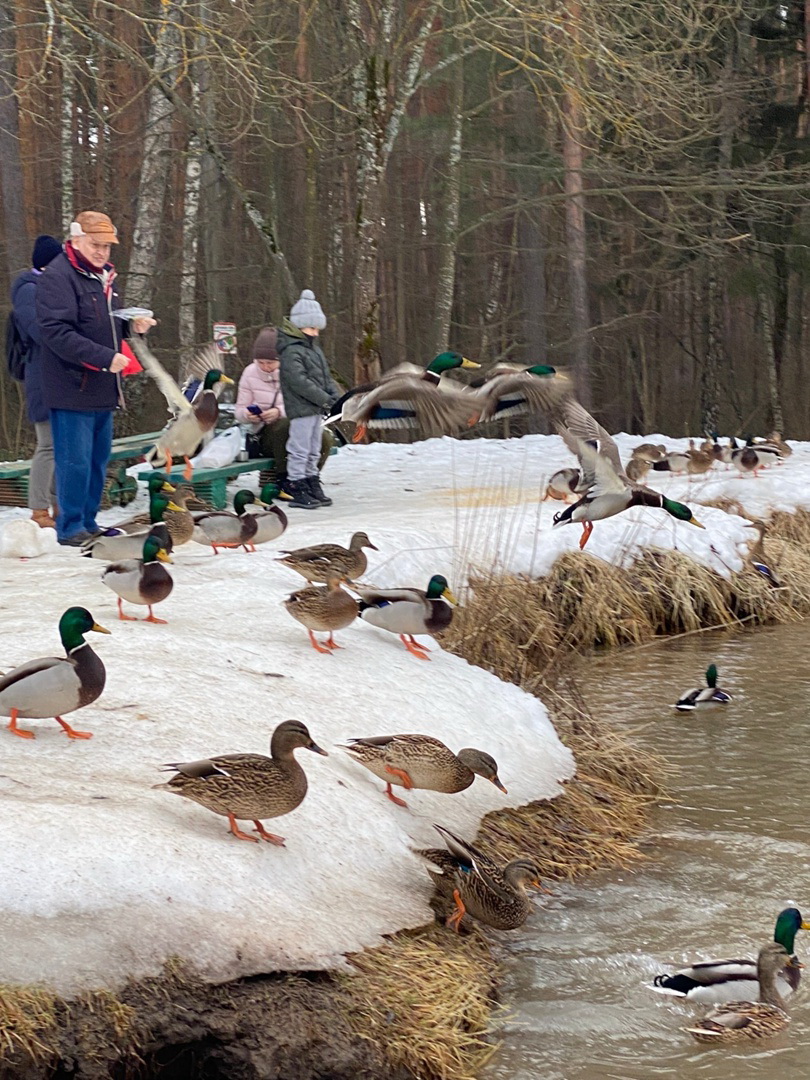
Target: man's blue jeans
{"points": [[81, 448]]}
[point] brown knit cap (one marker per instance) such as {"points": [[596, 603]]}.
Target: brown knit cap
{"points": [[264, 347]]}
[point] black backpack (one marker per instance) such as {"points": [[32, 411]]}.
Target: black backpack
{"points": [[18, 349]]}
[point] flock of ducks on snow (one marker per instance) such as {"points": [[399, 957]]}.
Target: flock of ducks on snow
{"points": [[253, 787]]}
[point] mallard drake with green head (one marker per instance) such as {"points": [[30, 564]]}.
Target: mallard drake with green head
{"points": [[223, 529], [412, 398], [179, 521], [322, 561], [249, 787], [323, 608], [514, 389], [115, 547], [493, 895], [271, 522], [710, 694], [195, 420], [51, 686], [142, 581], [409, 611], [420, 761], [716, 981], [750, 459], [760, 1019], [609, 491]]}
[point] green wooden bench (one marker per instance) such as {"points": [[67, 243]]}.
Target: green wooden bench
{"points": [[210, 484], [14, 474]]}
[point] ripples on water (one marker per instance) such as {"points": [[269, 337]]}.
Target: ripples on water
{"points": [[729, 852]]}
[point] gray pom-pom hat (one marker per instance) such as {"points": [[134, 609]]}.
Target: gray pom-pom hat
{"points": [[306, 311]]}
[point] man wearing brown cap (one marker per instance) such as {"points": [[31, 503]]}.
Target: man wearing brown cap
{"points": [[81, 367]]}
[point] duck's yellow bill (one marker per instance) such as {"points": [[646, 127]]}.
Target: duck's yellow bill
{"points": [[100, 629], [469, 363], [168, 487], [449, 597], [163, 555], [174, 506], [694, 521]]}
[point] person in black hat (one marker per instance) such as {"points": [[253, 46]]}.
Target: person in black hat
{"points": [[41, 488]]}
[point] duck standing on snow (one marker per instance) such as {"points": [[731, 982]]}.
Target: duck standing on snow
{"points": [[249, 787], [323, 608], [410, 398], [322, 561], [608, 489], [420, 761], [141, 581], [51, 685], [753, 458], [409, 611], [760, 1019], [716, 981], [116, 545], [494, 895], [271, 522], [710, 694], [196, 420], [221, 528]]}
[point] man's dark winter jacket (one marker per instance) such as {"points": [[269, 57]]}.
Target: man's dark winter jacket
{"points": [[80, 337], [23, 292], [307, 385]]}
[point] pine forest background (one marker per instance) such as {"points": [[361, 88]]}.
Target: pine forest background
{"points": [[619, 187]]}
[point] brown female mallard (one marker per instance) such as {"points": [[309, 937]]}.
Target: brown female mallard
{"points": [[249, 786], [420, 761], [751, 1019], [323, 561], [320, 608], [480, 888]]}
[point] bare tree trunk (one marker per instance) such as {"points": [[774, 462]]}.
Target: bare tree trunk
{"points": [[11, 174], [67, 140], [576, 242], [710, 384], [448, 228], [156, 161]]}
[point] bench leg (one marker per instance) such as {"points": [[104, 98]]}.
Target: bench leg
{"points": [[219, 494]]}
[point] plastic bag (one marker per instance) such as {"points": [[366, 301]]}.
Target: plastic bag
{"points": [[222, 450]]}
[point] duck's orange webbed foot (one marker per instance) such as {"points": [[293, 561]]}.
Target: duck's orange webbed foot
{"points": [[360, 433], [22, 732], [122, 616], [316, 645], [407, 783], [153, 618], [271, 838], [71, 732], [394, 798], [414, 647], [587, 529], [237, 832], [454, 920]]}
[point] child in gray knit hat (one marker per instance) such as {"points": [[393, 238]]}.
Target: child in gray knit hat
{"points": [[308, 390]]}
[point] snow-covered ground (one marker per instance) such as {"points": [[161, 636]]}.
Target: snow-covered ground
{"points": [[101, 876]]}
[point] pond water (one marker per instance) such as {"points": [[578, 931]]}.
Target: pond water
{"points": [[729, 851]]}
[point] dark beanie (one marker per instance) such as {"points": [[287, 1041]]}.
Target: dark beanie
{"points": [[45, 249], [264, 347]]}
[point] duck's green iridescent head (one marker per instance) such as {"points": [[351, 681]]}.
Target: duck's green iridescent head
{"points": [[438, 589], [270, 492], [680, 511], [711, 676], [788, 923], [154, 551], [74, 624], [242, 499], [156, 483], [542, 369], [214, 376], [446, 361], [159, 504]]}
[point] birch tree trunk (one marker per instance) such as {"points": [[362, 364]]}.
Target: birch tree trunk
{"points": [[11, 174], [66, 136], [156, 159], [448, 226]]}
